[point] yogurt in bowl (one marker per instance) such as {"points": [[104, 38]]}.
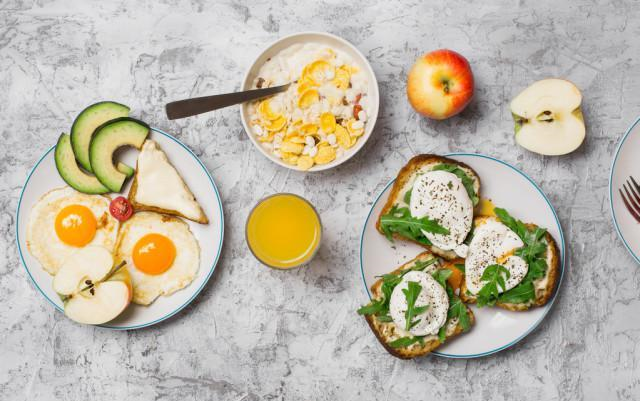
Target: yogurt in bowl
{"points": [[327, 113]]}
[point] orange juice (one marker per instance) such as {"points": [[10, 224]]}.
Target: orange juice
{"points": [[283, 231]]}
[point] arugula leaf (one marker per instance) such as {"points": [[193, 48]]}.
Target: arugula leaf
{"points": [[380, 308], [494, 275], [441, 276], [399, 220], [460, 266], [466, 180], [407, 196], [533, 252], [442, 333], [405, 341], [372, 308], [457, 309], [521, 293], [411, 294]]}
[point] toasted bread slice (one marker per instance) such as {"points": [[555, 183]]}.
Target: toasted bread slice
{"points": [[404, 182], [544, 287], [386, 331], [158, 187]]}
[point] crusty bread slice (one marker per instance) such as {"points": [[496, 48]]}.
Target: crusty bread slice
{"points": [[386, 331], [160, 204], [544, 293], [405, 179]]}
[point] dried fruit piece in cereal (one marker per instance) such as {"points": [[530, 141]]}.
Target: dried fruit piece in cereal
{"points": [[328, 122], [305, 162]]}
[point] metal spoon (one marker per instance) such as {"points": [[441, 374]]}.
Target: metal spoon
{"points": [[198, 105]]}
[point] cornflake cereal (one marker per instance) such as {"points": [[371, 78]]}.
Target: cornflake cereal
{"points": [[321, 115]]}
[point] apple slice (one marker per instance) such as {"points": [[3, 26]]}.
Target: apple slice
{"points": [[107, 301], [548, 119], [92, 289]]}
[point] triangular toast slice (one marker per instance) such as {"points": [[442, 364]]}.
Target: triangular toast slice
{"points": [[158, 187]]}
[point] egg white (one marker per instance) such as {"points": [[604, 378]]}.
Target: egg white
{"points": [[441, 196], [148, 287], [43, 242], [432, 295], [492, 240]]}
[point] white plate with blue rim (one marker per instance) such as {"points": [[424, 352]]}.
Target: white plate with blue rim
{"points": [[625, 165], [507, 187], [44, 177]]}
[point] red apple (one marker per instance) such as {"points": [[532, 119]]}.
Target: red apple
{"points": [[440, 84]]}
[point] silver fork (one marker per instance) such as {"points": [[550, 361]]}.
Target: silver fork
{"points": [[632, 198]]}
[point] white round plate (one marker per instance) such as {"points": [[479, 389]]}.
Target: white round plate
{"points": [[495, 329], [336, 43], [625, 164], [44, 177]]}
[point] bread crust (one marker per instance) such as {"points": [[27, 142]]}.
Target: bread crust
{"points": [[416, 349], [542, 297], [139, 207], [403, 176]]}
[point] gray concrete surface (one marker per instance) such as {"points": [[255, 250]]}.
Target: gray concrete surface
{"points": [[257, 334]]}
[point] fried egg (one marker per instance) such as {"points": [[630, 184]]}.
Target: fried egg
{"points": [[493, 243], [63, 221], [161, 252]]}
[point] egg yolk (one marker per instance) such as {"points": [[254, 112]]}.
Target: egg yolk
{"points": [[76, 225], [154, 253]]}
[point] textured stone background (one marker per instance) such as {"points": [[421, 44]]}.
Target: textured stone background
{"points": [[257, 334]]}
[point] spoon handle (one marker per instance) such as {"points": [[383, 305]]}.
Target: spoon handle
{"points": [[199, 105]]}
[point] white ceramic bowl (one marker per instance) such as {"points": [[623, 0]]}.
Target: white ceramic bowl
{"points": [[334, 42]]}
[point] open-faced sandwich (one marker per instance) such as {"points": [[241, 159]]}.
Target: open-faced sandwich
{"points": [[510, 264], [431, 204], [414, 309]]}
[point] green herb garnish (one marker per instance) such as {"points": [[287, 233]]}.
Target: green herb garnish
{"points": [[466, 180], [411, 294], [494, 275], [399, 220], [405, 341], [534, 252]]}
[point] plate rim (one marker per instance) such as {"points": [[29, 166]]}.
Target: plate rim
{"points": [[170, 314], [613, 166], [549, 305]]}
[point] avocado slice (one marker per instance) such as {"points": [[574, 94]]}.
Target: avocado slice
{"points": [[74, 175], [85, 124], [71, 173], [107, 138]]}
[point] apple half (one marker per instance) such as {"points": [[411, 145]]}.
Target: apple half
{"points": [[548, 118], [93, 290]]}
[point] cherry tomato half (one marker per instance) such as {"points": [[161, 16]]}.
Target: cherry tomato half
{"points": [[120, 208]]}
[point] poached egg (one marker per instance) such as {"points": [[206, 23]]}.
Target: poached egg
{"points": [[441, 196], [493, 243], [432, 295]]}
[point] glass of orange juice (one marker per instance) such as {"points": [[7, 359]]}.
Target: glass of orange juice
{"points": [[284, 231]]}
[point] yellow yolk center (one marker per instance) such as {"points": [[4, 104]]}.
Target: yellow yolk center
{"points": [[154, 254], [76, 225]]}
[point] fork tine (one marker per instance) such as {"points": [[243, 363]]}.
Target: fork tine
{"points": [[632, 196], [635, 215], [635, 184]]}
